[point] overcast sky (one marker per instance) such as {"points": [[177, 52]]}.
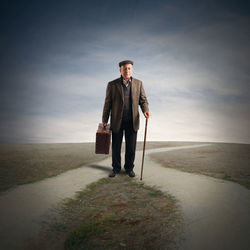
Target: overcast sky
{"points": [[56, 58]]}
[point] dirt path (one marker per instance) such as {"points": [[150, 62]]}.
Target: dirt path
{"points": [[216, 212]]}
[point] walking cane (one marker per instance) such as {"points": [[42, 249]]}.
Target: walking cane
{"points": [[146, 125]]}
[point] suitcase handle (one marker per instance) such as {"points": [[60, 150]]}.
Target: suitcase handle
{"points": [[105, 128]]}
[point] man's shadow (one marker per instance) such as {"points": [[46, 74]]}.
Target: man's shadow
{"points": [[105, 168]]}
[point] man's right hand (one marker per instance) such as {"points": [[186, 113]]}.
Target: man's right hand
{"points": [[104, 124]]}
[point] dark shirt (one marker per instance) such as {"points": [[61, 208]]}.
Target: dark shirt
{"points": [[127, 108]]}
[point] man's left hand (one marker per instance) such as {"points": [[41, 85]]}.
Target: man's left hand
{"points": [[147, 114]]}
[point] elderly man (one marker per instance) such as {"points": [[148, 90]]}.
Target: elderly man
{"points": [[123, 96]]}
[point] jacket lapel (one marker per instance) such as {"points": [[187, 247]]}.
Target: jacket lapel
{"points": [[133, 89], [120, 89]]}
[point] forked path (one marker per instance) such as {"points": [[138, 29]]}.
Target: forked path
{"points": [[216, 212]]}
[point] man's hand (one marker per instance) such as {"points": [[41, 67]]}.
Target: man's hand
{"points": [[147, 114], [104, 124]]}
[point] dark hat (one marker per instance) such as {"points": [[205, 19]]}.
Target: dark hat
{"points": [[125, 62]]}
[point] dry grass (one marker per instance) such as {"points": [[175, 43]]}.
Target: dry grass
{"points": [[25, 163], [117, 213], [221, 160]]}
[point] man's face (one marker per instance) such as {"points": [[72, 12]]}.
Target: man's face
{"points": [[126, 71]]}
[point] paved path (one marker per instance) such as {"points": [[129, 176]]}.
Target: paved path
{"points": [[216, 212]]}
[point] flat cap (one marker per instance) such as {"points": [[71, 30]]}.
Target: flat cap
{"points": [[125, 62]]}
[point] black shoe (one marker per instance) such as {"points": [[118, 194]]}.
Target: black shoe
{"points": [[131, 173], [112, 174]]}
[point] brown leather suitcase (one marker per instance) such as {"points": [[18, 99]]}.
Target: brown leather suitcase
{"points": [[103, 137]]}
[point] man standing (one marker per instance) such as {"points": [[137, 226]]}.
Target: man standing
{"points": [[123, 96]]}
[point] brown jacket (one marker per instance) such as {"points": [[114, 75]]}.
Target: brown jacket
{"points": [[114, 103]]}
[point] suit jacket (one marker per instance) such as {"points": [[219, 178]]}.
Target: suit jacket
{"points": [[115, 99]]}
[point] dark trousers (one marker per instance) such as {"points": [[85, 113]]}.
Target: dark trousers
{"points": [[130, 139]]}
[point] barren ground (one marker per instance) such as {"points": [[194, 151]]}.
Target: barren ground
{"points": [[118, 213], [27, 163], [221, 160]]}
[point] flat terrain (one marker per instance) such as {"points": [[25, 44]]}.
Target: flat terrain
{"points": [[26, 163], [210, 206], [227, 161]]}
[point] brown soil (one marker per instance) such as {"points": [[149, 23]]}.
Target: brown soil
{"points": [[117, 213], [221, 160], [25, 163]]}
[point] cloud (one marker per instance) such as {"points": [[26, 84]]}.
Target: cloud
{"points": [[193, 62]]}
